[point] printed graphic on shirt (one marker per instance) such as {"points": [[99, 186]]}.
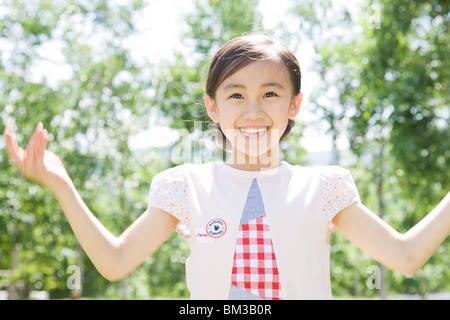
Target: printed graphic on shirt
{"points": [[255, 272], [216, 228]]}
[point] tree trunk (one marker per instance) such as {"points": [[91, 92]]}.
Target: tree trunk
{"points": [[19, 289]]}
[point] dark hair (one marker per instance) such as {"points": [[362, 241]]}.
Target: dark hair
{"points": [[242, 51]]}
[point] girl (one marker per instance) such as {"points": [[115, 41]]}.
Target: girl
{"points": [[257, 227]]}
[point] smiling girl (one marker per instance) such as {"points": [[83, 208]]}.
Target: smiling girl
{"points": [[257, 227]]}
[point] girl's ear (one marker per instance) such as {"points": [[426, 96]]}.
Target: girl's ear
{"points": [[295, 106], [211, 107]]}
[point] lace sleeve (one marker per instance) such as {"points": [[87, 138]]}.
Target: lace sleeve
{"points": [[168, 192], [337, 191]]}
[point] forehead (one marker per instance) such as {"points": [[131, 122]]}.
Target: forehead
{"points": [[258, 73]]}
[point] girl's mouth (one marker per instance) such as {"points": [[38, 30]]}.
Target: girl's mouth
{"points": [[253, 133]]}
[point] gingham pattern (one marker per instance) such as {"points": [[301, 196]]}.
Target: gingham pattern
{"points": [[254, 267]]}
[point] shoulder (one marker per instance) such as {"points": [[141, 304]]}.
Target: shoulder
{"points": [[180, 174], [331, 172], [173, 172], [169, 184], [324, 173], [337, 189], [334, 179], [168, 192]]}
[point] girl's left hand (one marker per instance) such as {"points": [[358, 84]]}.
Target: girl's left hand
{"points": [[36, 163]]}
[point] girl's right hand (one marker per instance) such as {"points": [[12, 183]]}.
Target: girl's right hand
{"points": [[35, 163]]}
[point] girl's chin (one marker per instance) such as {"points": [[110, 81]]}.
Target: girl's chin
{"points": [[246, 162], [254, 155]]}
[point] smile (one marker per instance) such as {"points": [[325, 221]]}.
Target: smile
{"points": [[253, 132]]}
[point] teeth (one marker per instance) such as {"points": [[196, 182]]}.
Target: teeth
{"points": [[253, 131]]}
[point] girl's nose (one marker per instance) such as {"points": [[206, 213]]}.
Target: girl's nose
{"points": [[253, 111]]}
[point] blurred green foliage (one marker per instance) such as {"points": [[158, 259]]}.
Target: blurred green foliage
{"points": [[383, 83]]}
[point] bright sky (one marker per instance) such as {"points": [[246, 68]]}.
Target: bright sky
{"points": [[161, 24]]}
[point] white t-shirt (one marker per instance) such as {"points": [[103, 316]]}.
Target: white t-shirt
{"points": [[292, 204]]}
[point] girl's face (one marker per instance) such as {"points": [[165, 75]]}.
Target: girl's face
{"points": [[253, 106]]}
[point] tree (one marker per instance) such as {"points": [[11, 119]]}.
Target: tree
{"points": [[384, 81], [90, 111]]}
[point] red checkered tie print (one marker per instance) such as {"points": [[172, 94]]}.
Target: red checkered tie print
{"points": [[255, 267]]}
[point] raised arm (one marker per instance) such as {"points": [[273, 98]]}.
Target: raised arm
{"points": [[406, 252], [114, 257]]}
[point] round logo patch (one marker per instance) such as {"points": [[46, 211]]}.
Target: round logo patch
{"points": [[216, 228]]}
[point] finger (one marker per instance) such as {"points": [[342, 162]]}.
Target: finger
{"points": [[41, 145], [40, 134], [15, 153], [31, 147], [30, 153], [46, 136], [11, 144]]}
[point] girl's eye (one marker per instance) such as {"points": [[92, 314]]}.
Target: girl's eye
{"points": [[270, 95], [236, 96]]}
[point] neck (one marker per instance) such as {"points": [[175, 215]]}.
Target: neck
{"points": [[239, 160]]}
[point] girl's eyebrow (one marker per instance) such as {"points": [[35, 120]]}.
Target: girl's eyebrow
{"points": [[233, 85], [273, 84]]}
